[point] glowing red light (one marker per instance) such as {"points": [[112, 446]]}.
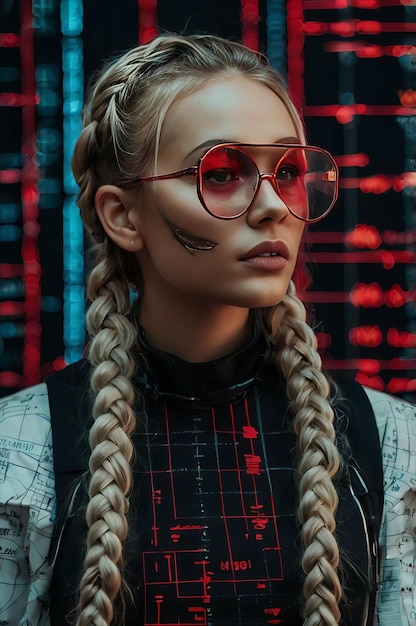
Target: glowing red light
{"points": [[363, 236], [249, 21], [31, 228], [366, 336], [367, 295], [10, 270], [400, 51], [400, 339], [369, 366], [366, 4], [407, 179], [59, 363], [374, 382], [407, 97], [376, 184], [9, 40], [148, 20], [344, 29], [324, 340], [358, 159], [395, 297], [401, 385], [30, 193], [369, 52], [18, 99], [11, 379], [388, 260], [315, 28], [250, 12], [9, 177], [11, 309]]}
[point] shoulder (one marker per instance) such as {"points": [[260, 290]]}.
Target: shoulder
{"points": [[25, 443], [396, 423], [68, 396], [71, 418], [388, 409], [25, 415]]}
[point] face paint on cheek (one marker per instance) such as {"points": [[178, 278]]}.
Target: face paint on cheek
{"points": [[190, 242]]}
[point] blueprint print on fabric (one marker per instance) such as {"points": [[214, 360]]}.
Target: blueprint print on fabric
{"points": [[396, 421], [27, 503]]}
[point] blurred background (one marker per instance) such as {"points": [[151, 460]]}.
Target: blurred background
{"points": [[350, 65]]}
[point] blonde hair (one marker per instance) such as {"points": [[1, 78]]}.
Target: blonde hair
{"points": [[122, 124]]}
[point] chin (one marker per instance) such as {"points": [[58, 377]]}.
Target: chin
{"points": [[264, 300]]}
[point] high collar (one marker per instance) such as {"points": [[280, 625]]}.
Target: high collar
{"points": [[220, 381]]}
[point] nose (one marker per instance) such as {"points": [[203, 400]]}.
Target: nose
{"points": [[267, 203]]}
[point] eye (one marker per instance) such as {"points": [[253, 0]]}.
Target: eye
{"points": [[220, 176], [288, 172]]}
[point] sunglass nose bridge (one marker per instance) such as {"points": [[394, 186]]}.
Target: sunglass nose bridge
{"points": [[271, 178]]}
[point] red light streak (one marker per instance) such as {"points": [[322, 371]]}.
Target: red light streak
{"points": [[147, 20], [30, 196], [364, 298], [365, 50], [380, 183], [10, 177], [400, 339], [370, 365], [18, 99], [359, 4], [349, 28], [401, 385], [352, 160], [387, 259], [11, 379], [8, 270], [9, 40], [389, 237], [347, 111], [250, 19], [295, 45], [12, 309]]}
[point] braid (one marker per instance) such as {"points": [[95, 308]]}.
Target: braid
{"points": [[307, 390], [112, 449]]}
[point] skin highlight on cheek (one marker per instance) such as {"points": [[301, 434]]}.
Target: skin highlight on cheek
{"points": [[190, 242]]}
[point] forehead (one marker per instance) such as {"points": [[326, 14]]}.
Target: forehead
{"points": [[232, 109]]}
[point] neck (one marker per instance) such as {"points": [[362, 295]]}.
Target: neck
{"points": [[197, 333]]}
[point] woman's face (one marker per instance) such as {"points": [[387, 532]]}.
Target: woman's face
{"points": [[187, 253]]}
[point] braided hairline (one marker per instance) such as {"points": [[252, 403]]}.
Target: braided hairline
{"points": [[307, 391]]}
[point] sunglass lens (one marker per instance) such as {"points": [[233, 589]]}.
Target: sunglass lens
{"points": [[307, 182], [227, 180]]}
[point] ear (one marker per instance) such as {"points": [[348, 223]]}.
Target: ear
{"points": [[114, 209]]}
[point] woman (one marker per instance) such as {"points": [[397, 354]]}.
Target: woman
{"points": [[216, 489]]}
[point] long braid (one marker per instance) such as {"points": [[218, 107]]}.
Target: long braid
{"points": [[319, 460], [113, 337]]}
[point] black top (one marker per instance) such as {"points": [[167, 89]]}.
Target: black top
{"points": [[214, 538]]}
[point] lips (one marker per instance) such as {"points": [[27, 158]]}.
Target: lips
{"points": [[268, 249]]}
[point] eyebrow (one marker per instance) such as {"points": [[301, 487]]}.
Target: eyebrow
{"points": [[213, 142]]}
